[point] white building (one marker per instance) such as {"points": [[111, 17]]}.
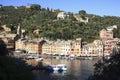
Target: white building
{"points": [[65, 47], [62, 15], [88, 50]]}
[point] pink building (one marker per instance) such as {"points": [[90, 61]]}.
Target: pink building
{"points": [[108, 41], [106, 34], [76, 47]]}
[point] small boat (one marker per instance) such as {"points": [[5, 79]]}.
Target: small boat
{"points": [[59, 67], [39, 59]]}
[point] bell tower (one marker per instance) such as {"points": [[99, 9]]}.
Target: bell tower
{"points": [[19, 30]]}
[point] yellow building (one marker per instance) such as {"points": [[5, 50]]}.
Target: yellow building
{"points": [[76, 47], [21, 44], [9, 40], [98, 47], [51, 47], [46, 48], [30, 46]]}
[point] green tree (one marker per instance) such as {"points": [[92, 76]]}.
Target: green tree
{"points": [[35, 7], [3, 49], [82, 12], [46, 20], [108, 69], [13, 69]]}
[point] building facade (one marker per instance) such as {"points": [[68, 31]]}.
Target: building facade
{"points": [[30, 46], [62, 15]]}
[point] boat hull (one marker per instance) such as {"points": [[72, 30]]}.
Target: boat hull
{"points": [[59, 67]]}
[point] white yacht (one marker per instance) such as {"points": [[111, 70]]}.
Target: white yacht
{"points": [[58, 67]]}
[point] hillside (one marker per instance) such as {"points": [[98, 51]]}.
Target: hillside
{"points": [[35, 17]]}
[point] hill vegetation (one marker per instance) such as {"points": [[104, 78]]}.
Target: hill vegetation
{"points": [[45, 19]]}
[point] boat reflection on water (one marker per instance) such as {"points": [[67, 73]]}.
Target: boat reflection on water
{"points": [[57, 73], [76, 70]]}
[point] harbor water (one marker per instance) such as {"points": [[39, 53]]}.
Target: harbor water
{"points": [[76, 70]]}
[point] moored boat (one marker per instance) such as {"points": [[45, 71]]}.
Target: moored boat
{"points": [[59, 67]]}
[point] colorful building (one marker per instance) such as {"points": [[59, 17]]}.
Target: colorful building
{"points": [[106, 34], [98, 45], [32, 46], [9, 40], [76, 47]]}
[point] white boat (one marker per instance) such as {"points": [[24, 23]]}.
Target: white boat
{"points": [[39, 59], [60, 67], [72, 57]]}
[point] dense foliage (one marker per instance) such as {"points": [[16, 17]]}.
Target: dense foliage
{"points": [[108, 69], [50, 27], [3, 49], [11, 70]]}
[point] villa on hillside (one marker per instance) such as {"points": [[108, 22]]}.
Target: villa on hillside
{"points": [[62, 15]]}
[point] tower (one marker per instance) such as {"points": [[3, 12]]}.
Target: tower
{"points": [[19, 31]]}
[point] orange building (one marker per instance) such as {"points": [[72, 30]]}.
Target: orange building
{"points": [[76, 47], [29, 45]]}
